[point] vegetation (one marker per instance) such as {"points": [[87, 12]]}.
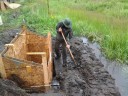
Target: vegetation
{"points": [[103, 20]]}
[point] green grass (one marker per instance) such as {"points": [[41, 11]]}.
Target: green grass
{"points": [[105, 21]]}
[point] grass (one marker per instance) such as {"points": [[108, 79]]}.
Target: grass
{"points": [[104, 20]]}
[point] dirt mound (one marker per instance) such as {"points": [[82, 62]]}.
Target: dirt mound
{"points": [[89, 78], [6, 37], [9, 88]]}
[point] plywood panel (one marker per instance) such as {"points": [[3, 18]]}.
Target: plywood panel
{"points": [[18, 49], [2, 68], [50, 65], [32, 37], [29, 79]]}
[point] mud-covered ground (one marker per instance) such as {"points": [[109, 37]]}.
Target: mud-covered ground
{"points": [[9, 88], [88, 78]]}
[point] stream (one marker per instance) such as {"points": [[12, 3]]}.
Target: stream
{"points": [[118, 71]]}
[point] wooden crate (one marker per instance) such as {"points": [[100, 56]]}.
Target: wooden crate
{"points": [[28, 56]]}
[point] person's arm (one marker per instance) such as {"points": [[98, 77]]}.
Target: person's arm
{"points": [[70, 36], [58, 27]]}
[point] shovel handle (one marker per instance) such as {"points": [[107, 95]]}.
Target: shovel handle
{"points": [[64, 38], [68, 48]]}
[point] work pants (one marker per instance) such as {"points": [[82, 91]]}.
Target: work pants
{"points": [[57, 50]]}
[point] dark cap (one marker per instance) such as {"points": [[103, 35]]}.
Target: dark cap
{"points": [[67, 23]]}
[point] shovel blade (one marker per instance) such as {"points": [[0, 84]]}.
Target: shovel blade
{"points": [[55, 83]]}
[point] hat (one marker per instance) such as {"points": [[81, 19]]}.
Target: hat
{"points": [[67, 23]]}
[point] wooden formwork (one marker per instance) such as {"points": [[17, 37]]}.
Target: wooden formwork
{"points": [[28, 56]]}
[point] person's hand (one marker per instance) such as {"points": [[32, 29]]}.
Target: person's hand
{"points": [[68, 46], [60, 29]]}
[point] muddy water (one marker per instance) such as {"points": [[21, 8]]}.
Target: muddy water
{"points": [[118, 71]]}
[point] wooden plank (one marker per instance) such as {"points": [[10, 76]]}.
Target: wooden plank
{"points": [[45, 69], [50, 66], [34, 78], [13, 49], [36, 53], [9, 45], [2, 68]]}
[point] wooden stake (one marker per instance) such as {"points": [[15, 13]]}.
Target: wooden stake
{"points": [[2, 68], [44, 63]]}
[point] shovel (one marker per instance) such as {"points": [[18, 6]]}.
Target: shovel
{"points": [[68, 48]]}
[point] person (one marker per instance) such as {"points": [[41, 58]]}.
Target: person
{"points": [[64, 26]]}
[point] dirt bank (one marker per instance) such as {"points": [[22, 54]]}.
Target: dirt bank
{"points": [[6, 37], [89, 78]]}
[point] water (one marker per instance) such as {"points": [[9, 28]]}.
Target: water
{"points": [[118, 71]]}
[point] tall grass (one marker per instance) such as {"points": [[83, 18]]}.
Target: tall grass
{"points": [[104, 20]]}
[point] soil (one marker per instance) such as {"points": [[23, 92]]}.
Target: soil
{"points": [[87, 78], [9, 88], [7, 36]]}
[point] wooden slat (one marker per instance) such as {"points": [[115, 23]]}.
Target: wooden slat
{"points": [[9, 44], [45, 69], [2, 68], [35, 53], [50, 66]]}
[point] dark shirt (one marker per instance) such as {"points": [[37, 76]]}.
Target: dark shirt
{"points": [[66, 31]]}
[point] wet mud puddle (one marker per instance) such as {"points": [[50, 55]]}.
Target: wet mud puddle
{"points": [[118, 71]]}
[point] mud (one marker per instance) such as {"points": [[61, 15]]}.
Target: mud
{"points": [[9, 88], [87, 78]]}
